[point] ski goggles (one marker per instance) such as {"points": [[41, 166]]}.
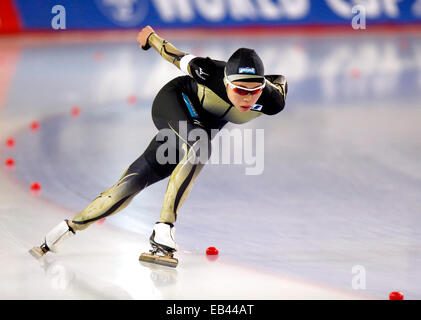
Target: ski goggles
{"points": [[242, 91]]}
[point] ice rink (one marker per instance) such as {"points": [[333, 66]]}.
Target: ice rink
{"points": [[339, 198]]}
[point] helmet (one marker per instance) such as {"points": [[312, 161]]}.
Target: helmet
{"points": [[244, 65]]}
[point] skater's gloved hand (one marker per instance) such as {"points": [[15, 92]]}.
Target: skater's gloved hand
{"points": [[142, 37]]}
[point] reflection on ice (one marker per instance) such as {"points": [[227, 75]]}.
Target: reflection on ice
{"points": [[161, 276]]}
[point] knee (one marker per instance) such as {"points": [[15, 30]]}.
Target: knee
{"points": [[129, 184]]}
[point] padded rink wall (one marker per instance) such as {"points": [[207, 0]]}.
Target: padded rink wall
{"points": [[30, 15]]}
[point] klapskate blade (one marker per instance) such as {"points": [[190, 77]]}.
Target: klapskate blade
{"points": [[36, 252], [164, 261]]}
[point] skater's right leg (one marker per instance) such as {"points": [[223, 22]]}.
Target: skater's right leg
{"points": [[54, 239], [138, 176], [142, 173]]}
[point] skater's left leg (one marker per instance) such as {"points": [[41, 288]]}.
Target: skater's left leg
{"points": [[192, 141], [196, 153], [181, 180]]}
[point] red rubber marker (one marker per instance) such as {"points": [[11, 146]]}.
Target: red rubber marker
{"points": [[34, 125], [299, 47], [10, 162], [212, 254], [404, 45], [98, 56], [75, 111], [132, 99], [395, 295], [10, 142], [35, 187], [212, 251], [355, 73]]}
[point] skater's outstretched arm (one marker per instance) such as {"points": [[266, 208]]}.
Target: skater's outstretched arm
{"points": [[148, 38], [198, 68]]}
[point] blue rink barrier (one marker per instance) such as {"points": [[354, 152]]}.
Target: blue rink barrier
{"points": [[119, 14]]}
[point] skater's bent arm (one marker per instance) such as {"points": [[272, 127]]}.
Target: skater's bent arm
{"points": [[274, 94], [279, 82]]}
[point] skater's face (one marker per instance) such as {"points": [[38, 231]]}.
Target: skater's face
{"points": [[243, 100]]}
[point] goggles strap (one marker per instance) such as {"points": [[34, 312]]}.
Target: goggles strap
{"points": [[243, 88]]}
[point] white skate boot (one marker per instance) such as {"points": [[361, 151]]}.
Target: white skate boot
{"points": [[163, 245], [53, 240]]}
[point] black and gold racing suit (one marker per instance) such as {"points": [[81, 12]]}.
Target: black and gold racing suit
{"points": [[198, 100]]}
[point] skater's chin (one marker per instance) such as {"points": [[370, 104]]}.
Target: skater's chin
{"points": [[244, 108]]}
